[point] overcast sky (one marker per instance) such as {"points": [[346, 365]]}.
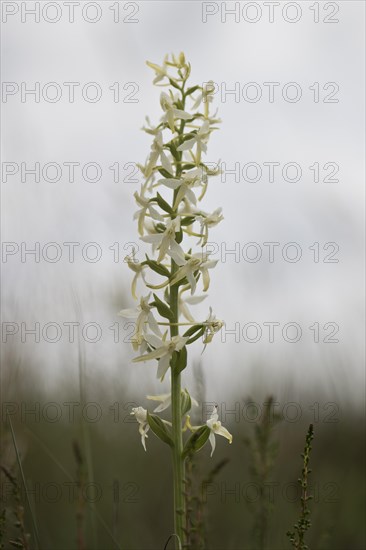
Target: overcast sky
{"points": [[307, 125]]}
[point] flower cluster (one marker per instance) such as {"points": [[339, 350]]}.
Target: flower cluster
{"points": [[213, 423], [171, 220]]}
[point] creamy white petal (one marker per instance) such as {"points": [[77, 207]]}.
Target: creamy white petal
{"points": [[154, 340], [155, 214], [191, 196], [177, 253], [189, 144], [163, 365], [192, 281], [166, 164], [165, 401], [220, 430], [195, 299], [213, 442], [153, 239], [153, 324], [164, 247], [129, 313], [161, 397], [214, 416], [178, 113], [181, 342], [206, 279], [144, 436], [183, 309], [149, 356], [162, 407], [170, 182]]}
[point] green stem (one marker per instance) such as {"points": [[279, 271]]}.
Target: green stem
{"points": [[178, 461]]}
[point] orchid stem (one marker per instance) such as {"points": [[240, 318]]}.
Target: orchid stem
{"points": [[178, 461]]}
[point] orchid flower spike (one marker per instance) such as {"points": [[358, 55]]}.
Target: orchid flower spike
{"points": [[174, 228]]}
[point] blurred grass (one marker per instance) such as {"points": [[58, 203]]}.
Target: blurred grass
{"points": [[133, 508]]}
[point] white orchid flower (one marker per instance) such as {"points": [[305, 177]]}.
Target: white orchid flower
{"points": [[138, 269], [179, 61], [144, 319], [190, 179], [160, 72], [146, 207], [165, 400], [200, 140], [207, 221], [171, 112], [206, 95], [197, 262], [217, 429], [163, 351], [165, 242], [213, 326], [186, 208], [157, 151], [150, 129], [191, 300], [141, 416]]}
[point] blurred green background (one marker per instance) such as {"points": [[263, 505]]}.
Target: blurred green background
{"points": [[91, 485]]}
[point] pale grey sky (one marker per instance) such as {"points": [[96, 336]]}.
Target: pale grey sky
{"points": [[326, 63]]}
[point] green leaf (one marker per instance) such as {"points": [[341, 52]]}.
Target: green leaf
{"points": [[188, 166], [163, 309], [159, 428], [196, 336], [181, 361], [188, 136], [179, 105], [158, 268], [192, 330], [191, 90], [196, 441], [160, 227], [163, 204], [185, 402], [182, 282], [164, 173], [187, 221], [172, 148], [179, 236], [174, 84]]}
